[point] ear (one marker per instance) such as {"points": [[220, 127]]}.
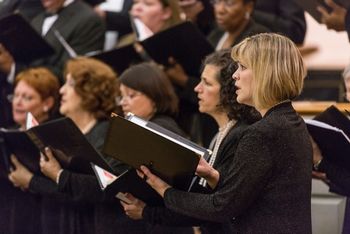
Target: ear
{"points": [[249, 7], [49, 103], [167, 13]]}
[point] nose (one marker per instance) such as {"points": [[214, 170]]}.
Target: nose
{"points": [[198, 87], [235, 75]]}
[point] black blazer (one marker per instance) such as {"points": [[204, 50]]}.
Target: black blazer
{"points": [[80, 27]]}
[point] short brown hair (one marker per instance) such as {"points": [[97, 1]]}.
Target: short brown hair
{"points": [[43, 81], [152, 81], [277, 66], [96, 83]]}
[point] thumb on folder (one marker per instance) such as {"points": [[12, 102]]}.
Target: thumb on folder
{"points": [[20, 176], [50, 167]]}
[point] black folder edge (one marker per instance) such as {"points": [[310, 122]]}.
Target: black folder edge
{"points": [[98, 160], [39, 47], [205, 151], [24, 151], [198, 45], [127, 182], [327, 144]]}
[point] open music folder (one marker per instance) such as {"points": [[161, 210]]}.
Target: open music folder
{"points": [[331, 131], [21, 40], [137, 142], [69, 146], [127, 182]]}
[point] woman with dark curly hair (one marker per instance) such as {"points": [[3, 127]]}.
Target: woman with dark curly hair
{"points": [[217, 98]]}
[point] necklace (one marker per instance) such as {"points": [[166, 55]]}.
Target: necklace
{"points": [[218, 140]]}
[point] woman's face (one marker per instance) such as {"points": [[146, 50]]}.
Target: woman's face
{"points": [[27, 99], [70, 100], [244, 84], [136, 102], [230, 14], [208, 90], [151, 13]]}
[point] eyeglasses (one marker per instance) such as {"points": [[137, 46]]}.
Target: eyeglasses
{"points": [[126, 98], [24, 98], [227, 3]]}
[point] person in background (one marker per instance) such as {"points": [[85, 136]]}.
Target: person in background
{"points": [[75, 21], [117, 21], [282, 16], [156, 15], [267, 187], [216, 93], [234, 23], [36, 91], [337, 178], [199, 12], [338, 19], [88, 98], [147, 93]]}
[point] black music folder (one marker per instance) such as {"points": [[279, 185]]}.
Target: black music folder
{"points": [[137, 142], [21, 40], [311, 6], [69, 146], [120, 58], [331, 131], [184, 42], [127, 182]]}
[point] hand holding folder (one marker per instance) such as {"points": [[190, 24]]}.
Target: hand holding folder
{"points": [[331, 131], [69, 146], [137, 142], [183, 42]]}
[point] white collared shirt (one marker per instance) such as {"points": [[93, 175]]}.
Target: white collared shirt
{"points": [[49, 21]]}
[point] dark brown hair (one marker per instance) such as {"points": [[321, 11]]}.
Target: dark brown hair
{"points": [[228, 97], [152, 81]]}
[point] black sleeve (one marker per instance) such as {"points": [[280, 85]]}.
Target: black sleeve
{"points": [[46, 187], [236, 193], [165, 217], [289, 20], [80, 187]]}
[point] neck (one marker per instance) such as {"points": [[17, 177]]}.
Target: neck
{"points": [[84, 120], [264, 110], [235, 33], [221, 119]]}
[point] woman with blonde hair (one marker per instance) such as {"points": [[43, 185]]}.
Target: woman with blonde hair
{"points": [[268, 185]]}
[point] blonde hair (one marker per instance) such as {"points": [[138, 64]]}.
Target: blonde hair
{"points": [[277, 66], [175, 17]]}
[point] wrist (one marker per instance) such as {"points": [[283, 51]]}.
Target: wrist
{"points": [[57, 177], [316, 165]]}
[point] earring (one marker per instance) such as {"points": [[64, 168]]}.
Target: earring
{"points": [[247, 15]]}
